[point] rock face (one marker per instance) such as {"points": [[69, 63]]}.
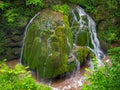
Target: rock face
{"points": [[48, 44], [11, 38], [10, 47]]}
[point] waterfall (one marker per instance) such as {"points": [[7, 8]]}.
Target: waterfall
{"points": [[26, 29], [92, 29], [86, 25]]}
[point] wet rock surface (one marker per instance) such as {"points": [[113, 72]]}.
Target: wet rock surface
{"points": [[48, 45]]}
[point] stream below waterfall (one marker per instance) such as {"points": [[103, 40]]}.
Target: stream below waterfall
{"points": [[72, 81]]}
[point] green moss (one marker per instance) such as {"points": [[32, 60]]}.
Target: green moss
{"points": [[82, 39], [77, 15], [61, 34], [71, 66], [82, 54], [69, 32], [57, 53], [74, 27], [66, 21], [47, 53], [31, 40]]}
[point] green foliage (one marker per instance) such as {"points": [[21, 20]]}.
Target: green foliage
{"points": [[107, 77], [88, 4], [3, 5], [18, 79], [112, 4], [11, 15], [35, 2], [109, 35], [13, 11], [91, 5], [91, 9], [61, 8], [115, 53]]}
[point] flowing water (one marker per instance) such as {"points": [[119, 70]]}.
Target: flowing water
{"points": [[25, 33], [74, 80], [92, 29]]}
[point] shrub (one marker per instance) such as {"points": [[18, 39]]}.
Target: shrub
{"points": [[18, 79], [35, 2], [61, 8], [105, 78]]}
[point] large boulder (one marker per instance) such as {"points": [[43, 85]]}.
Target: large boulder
{"points": [[48, 43], [54, 43]]}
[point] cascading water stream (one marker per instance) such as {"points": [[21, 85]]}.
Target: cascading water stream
{"points": [[92, 29], [26, 29]]}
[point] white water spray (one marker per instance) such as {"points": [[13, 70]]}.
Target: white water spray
{"points": [[92, 29]]}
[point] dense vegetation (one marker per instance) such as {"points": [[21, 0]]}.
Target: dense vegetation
{"points": [[107, 77], [14, 15], [18, 79]]}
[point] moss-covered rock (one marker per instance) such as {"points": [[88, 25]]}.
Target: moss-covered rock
{"points": [[83, 53], [47, 45], [80, 29]]}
